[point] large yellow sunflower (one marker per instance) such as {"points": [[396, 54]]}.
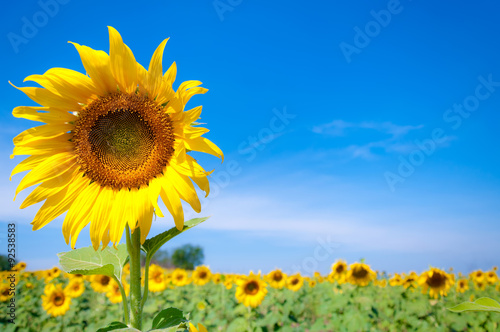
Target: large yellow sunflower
{"points": [[251, 290], [75, 288], [157, 279], [112, 143], [294, 282], [180, 277], [55, 300]]}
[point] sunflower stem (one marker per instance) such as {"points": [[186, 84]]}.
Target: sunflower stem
{"points": [[146, 281], [126, 314], [134, 251]]}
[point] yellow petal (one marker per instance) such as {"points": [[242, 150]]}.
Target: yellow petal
{"points": [[154, 193], [204, 145], [118, 219], [50, 187], [155, 70], [57, 204], [123, 64], [100, 216], [50, 168], [46, 98], [173, 203], [42, 132], [59, 144], [47, 115], [192, 115], [184, 187], [27, 164], [97, 65]]}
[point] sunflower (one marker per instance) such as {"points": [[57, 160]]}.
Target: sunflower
{"points": [[112, 143], [55, 300], [276, 279], [411, 281], [295, 282], [339, 270], [201, 275], [75, 288], [360, 274], [436, 282], [382, 283], [5, 292], [217, 278], [157, 279], [114, 294], [101, 283], [180, 277], [462, 285], [396, 280], [491, 277], [477, 275], [251, 290], [200, 328], [19, 266], [312, 283]]}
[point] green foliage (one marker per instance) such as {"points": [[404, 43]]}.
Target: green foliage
{"points": [[482, 304], [113, 326], [169, 318], [188, 256], [4, 263], [88, 261]]}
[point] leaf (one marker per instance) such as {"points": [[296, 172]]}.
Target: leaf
{"points": [[113, 326], [152, 245], [87, 261], [170, 317], [481, 304]]}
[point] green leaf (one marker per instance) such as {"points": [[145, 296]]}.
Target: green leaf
{"points": [[170, 317], [481, 304], [87, 261], [113, 326], [152, 245]]}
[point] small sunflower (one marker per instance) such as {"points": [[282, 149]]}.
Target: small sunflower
{"points": [[55, 300], [491, 277], [101, 283], [477, 275], [5, 292], [157, 279], [180, 277], [201, 275], [217, 278], [312, 283], [436, 282], [295, 282], [112, 143], [75, 288], [114, 294], [462, 285], [251, 291], [382, 283], [339, 270], [411, 281], [360, 274], [19, 266], [276, 279], [200, 328], [396, 280]]}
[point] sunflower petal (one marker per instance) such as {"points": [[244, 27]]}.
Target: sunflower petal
{"points": [[155, 70], [46, 98], [97, 65], [184, 188], [42, 132], [173, 203], [204, 145], [154, 193], [56, 145], [49, 116], [100, 216], [27, 164], [123, 64]]}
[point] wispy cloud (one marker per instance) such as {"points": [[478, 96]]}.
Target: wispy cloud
{"points": [[396, 138]]}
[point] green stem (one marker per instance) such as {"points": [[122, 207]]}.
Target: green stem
{"points": [[134, 251], [146, 280], [126, 313]]}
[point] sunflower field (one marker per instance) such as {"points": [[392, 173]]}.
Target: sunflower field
{"points": [[350, 298]]}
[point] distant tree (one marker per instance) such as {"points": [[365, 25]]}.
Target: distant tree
{"points": [[188, 256], [162, 258], [4, 263]]}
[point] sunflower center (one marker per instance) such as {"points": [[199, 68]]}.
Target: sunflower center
{"points": [[6, 292], [278, 276], [123, 140], [359, 273], [105, 280], [59, 299], [295, 281], [339, 269], [252, 288], [437, 280], [202, 275]]}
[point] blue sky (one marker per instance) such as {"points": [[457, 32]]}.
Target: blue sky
{"points": [[350, 129]]}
